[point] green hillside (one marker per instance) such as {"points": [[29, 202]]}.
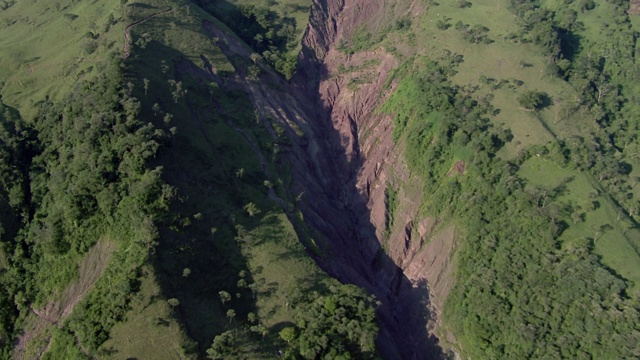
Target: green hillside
{"points": [[548, 199], [116, 137], [177, 180]]}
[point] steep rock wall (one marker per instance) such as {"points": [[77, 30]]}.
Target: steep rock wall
{"points": [[341, 166], [346, 89]]}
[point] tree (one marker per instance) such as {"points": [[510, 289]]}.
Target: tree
{"points": [[443, 24], [222, 347], [252, 209], [577, 215], [254, 289], [288, 334], [224, 296], [231, 314], [532, 100], [252, 318], [253, 72], [255, 57], [173, 302], [260, 329], [178, 91]]}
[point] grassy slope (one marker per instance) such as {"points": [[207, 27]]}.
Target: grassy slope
{"points": [[217, 173], [614, 243], [47, 57], [44, 50], [502, 60], [149, 331]]}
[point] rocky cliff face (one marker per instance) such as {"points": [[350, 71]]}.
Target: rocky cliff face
{"points": [[363, 161], [341, 167]]}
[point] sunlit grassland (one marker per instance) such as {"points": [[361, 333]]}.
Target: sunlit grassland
{"points": [[150, 330], [502, 59], [47, 48], [602, 221]]}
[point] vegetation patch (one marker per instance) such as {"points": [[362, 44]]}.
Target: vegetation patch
{"points": [[273, 31], [500, 213]]}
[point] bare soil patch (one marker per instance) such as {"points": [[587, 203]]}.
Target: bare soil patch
{"points": [[458, 169], [91, 267], [55, 312], [634, 7]]}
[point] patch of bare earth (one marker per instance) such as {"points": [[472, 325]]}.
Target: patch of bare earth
{"points": [[34, 340], [458, 169], [634, 7]]}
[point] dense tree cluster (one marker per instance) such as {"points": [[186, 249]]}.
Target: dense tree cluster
{"points": [[77, 173], [268, 33], [474, 34], [17, 141], [522, 295], [339, 325]]}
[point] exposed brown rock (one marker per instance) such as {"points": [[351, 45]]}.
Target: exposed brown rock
{"points": [[365, 157]]}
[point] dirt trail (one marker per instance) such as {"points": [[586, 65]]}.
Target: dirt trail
{"points": [[55, 312], [127, 32]]}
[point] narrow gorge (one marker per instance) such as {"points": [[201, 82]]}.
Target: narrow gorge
{"points": [[343, 166], [352, 162]]}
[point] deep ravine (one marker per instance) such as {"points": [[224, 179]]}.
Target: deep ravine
{"points": [[339, 177], [339, 197]]}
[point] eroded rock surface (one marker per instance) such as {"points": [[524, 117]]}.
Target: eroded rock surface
{"points": [[364, 161], [341, 166]]}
